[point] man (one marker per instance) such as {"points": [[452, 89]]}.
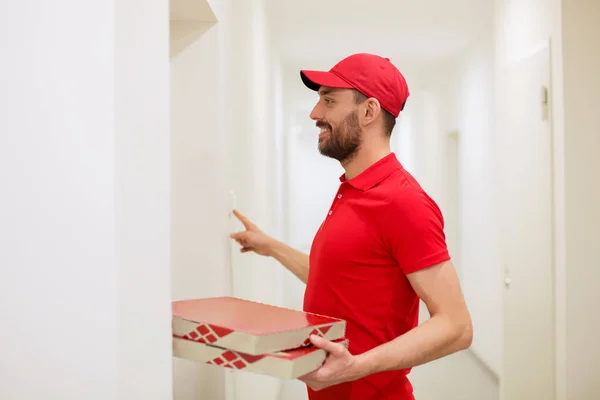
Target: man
{"points": [[379, 250]]}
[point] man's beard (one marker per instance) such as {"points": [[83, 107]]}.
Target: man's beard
{"points": [[343, 142]]}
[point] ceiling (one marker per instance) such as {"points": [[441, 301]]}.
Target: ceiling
{"points": [[317, 33]]}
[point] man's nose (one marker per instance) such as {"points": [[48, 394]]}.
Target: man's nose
{"points": [[316, 113]]}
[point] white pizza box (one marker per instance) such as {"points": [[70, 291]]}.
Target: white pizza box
{"points": [[250, 327], [290, 364]]}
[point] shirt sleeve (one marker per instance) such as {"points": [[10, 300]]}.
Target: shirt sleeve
{"points": [[414, 231]]}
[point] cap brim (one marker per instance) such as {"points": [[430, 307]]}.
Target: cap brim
{"points": [[315, 79]]}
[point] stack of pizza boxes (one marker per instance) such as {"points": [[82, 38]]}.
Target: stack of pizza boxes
{"points": [[234, 333]]}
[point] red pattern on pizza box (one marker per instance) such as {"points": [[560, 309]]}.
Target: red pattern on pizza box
{"points": [[250, 327], [290, 364]]}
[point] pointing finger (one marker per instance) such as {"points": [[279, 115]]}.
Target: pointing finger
{"points": [[243, 219]]}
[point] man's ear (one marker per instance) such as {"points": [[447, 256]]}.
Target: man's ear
{"points": [[372, 110]]}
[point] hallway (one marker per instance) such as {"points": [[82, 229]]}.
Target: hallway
{"points": [[127, 138]]}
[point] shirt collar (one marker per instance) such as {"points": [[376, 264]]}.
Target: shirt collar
{"points": [[375, 174]]}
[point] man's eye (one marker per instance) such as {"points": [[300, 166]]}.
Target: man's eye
{"points": [[328, 101]]}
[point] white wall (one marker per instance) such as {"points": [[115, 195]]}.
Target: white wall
{"points": [[581, 275], [85, 210], [575, 61], [143, 183], [521, 26], [199, 192], [224, 139], [249, 112], [480, 263]]}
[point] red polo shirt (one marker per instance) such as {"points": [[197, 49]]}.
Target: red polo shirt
{"points": [[381, 227]]}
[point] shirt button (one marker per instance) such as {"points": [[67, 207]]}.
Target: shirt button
{"points": [[339, 196], [330, 212]]}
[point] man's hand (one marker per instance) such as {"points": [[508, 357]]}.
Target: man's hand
{"points": [[252, 239], [339, 366]]}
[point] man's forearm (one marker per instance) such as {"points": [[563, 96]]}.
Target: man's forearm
{"points": [[435, 338], [295, 261]]}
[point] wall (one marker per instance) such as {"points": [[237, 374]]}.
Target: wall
{"points": [[521, 26], [575, 59], [142, 163], [249, 115], [199, 192], [481, 271], [581, 63], [84, 232], [57, 150], [224, 140]]}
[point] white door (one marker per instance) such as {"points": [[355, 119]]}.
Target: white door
{"points": [[526, 169]]}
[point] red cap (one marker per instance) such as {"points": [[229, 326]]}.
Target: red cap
{"points": [[372, 75]]}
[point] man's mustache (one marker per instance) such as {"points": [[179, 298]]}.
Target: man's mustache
{"points": [[323, 124]]}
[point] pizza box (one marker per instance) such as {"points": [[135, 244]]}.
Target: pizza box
{"points": [[290, 364], [250, 327]]}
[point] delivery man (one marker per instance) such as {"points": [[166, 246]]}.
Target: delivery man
{"points": [[380, 249]]}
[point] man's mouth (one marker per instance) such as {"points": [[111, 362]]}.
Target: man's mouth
{"points": [[324, 132]]}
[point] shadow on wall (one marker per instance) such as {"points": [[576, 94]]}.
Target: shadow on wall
{"points": [[184, 33]]}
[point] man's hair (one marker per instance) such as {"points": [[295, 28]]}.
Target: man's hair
{"points": [[388, 119]]}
